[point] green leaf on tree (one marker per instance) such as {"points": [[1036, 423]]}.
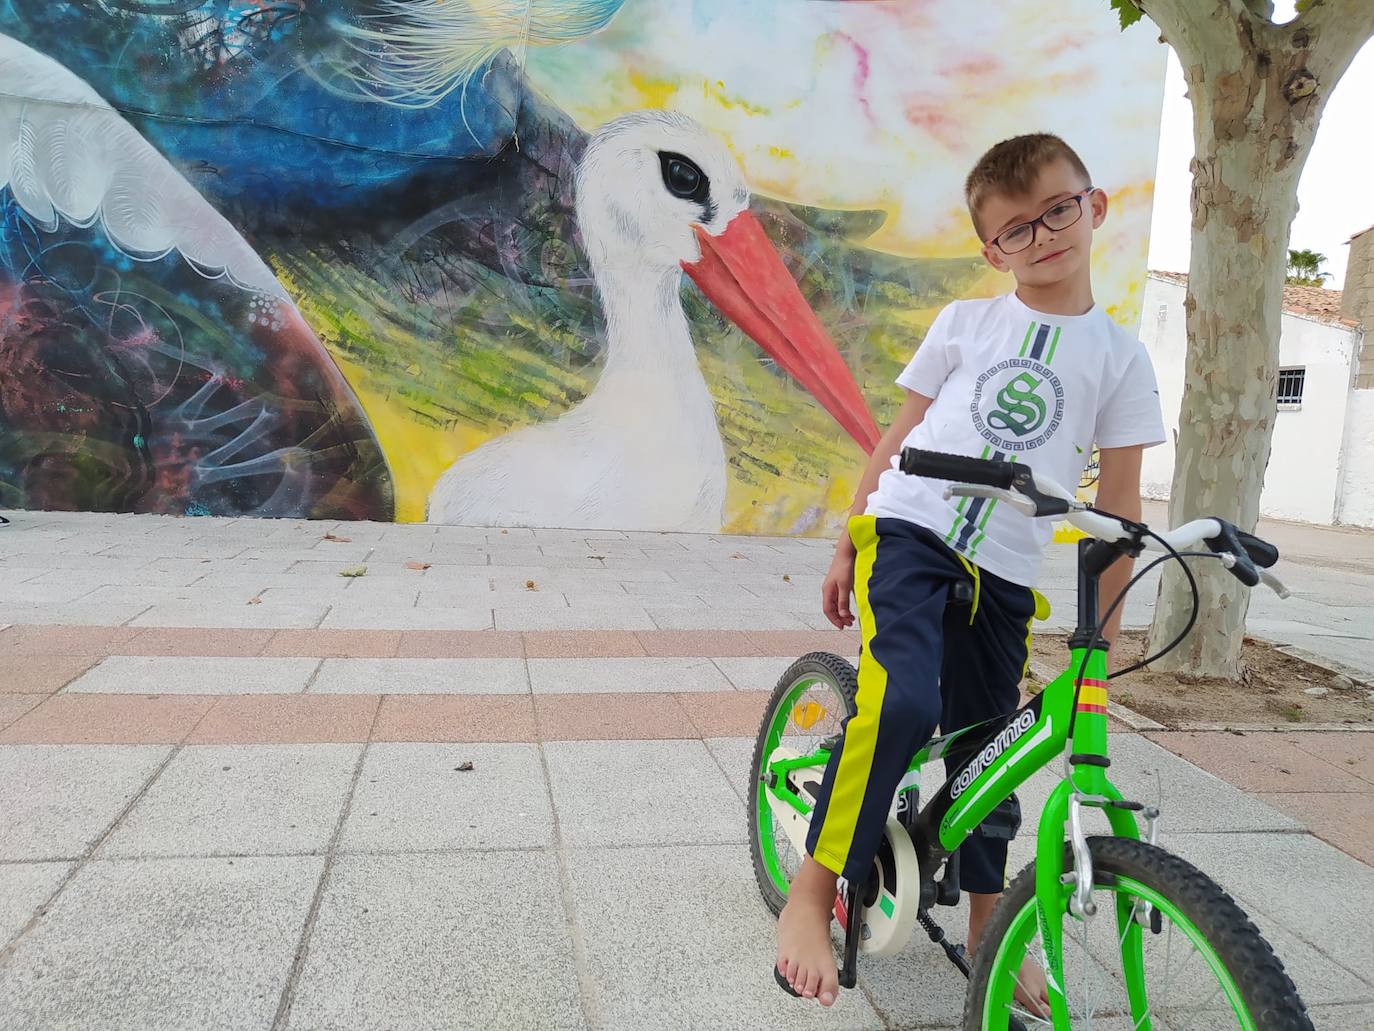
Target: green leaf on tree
{"points": [[1128, 12]]}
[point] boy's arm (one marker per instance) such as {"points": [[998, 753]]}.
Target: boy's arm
{"points": [[840, 580], [1118, 492]]}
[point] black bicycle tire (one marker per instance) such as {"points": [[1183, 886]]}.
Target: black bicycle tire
{"points": [[1268, 991]]}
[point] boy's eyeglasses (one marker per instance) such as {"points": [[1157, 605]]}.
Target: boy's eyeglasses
{"points": [[1062, 215]]}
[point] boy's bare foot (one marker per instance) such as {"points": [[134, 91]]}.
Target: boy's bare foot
{"points": [[1032, 993], [805, 957]]}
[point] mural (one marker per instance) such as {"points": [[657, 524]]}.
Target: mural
{"points": [[644, 264]]}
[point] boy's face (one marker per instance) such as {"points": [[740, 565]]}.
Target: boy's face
{"points": [[1054, 255]]}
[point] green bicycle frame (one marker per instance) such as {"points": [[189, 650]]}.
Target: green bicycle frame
{"points": [[1069, 708]]}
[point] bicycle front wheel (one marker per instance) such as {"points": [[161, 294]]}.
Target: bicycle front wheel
{"points": [[1196, 960]]}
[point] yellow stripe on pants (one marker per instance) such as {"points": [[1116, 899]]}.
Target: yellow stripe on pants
{"points": [[861, 732]]}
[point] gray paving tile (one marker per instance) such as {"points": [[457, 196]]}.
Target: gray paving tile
{"points": [[590, 676], [76, 613], [1342, 1018], [413, 797], [218, 614], [59, 799], [351, 616], [138, 674], [179, 943], [23, 888], [720, 932], [239, 800], [422, 676], [1312, 890], [734, 756], [393, 948], [642, 792], [754, 673]]}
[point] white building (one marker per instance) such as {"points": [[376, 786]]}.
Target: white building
{"points": [[1321, 467]]}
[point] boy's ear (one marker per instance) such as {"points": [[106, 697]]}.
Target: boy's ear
{"points": [[996, 258], [1099, 203]]}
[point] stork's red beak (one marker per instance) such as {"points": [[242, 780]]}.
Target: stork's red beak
{"points": [[743, 276]]}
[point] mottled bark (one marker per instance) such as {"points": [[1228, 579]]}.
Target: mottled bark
{"points": [[1257, 91]]}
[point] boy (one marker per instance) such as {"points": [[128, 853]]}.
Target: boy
{"points": [[1037, 375]]}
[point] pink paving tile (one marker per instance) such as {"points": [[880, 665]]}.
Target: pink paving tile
{"points": [[581, 644], [96, 719], [40, 674], [1344, 820], [455, 718], [196, 642], [725, 713], [460, 644], [66, 640], [287, 719], [12, 706], [335, 644], [1258, 761], [612, 717], [1351, 753], [799, 642], [708, 643]]}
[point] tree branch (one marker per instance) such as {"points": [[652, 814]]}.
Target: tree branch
{"points": [[1335, 30]]}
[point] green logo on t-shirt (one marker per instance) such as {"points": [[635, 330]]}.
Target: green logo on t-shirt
{"points": [[1022, 410], [1025, 405]]}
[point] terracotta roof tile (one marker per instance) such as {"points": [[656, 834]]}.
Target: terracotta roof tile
{"points": [[1314, 301]]}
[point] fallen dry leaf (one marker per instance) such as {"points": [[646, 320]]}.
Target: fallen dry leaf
{"points": [[335, 537], [418, 565], [786, 579], [355, 571], [464, 767], [255, 600], [505, 531], [737, 555], [530, 585]]}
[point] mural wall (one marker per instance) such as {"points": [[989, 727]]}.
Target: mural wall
{"points": [[640, 264]]}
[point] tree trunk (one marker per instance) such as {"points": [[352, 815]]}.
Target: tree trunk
{"points": [[1257, 93]]}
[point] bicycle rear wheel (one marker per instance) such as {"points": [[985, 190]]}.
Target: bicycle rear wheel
{"points": [[1205, 966], [808, 706]]}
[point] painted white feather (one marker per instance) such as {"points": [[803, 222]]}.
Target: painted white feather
{"points": [[413, 53], [69, 156]]}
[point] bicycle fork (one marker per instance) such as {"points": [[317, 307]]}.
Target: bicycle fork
{"points": [[1068, 893]]}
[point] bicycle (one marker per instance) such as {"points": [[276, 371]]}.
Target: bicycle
{"points": [[1052, 907]]}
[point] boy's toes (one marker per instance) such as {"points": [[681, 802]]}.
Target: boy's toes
{"points": [[809, 984], [829, 989]]}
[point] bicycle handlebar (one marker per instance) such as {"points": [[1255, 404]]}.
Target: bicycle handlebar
{"points": [[1036, 495]]}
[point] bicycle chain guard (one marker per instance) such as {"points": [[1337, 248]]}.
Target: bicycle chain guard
{"points": [[892, 891]]}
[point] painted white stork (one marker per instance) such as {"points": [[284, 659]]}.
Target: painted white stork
{"points": [[656, 194]]}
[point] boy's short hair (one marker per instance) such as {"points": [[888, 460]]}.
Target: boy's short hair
{"points": [[1011, 166]]}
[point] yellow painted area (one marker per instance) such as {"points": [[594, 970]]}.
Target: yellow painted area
{"points": [[417, 454], [651, 91]]}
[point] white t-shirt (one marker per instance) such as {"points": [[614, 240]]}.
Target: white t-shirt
{"points": [[1013, 384]]}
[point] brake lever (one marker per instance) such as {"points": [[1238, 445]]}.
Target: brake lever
{"points": [[1017, 501]]}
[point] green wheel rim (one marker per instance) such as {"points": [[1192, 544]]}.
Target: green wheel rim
{"points": [[768, 845], [1012, 950]]}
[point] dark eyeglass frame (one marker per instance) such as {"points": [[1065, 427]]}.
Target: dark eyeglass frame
{"points": [[1039, 220]]}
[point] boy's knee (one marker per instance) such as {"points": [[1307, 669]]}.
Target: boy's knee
{"points": [[916, 711]]}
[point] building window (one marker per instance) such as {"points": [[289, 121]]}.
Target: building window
{"points": [[1290, 388]]}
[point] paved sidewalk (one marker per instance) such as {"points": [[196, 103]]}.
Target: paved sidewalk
{"points": [[234, 786]]}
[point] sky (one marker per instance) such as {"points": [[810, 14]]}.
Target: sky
{"points": [[1335, 196]]}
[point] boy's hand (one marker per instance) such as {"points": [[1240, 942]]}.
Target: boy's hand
{"points": [[838, 584]]}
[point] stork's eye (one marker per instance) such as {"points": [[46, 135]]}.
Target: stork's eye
{"points": [[683, 177]]}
